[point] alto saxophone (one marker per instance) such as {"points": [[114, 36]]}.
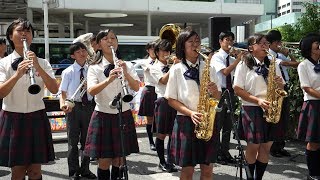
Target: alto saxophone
{"points": [[275, 95], [207, 105]]}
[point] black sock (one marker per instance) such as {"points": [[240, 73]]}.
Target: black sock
{"points": [[160, 150], [103, 174], [150, 134], [260, 169], [313, 158], [115, 173], [168, 151], [251, 168]]}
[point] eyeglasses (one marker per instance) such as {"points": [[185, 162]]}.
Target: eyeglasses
{"points": [[194, 42], [263, 43]]}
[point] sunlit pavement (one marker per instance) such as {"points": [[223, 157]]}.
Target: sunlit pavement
{"points": [[144, 166]]}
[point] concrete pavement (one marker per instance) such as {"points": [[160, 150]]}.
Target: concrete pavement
{"points": [[143, 166]]}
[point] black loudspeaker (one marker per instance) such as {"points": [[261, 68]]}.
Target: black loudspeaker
{"points": [[216, 26]]}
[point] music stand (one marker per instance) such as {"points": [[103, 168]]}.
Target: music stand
{"points": [[123, 168], [241, 162]]}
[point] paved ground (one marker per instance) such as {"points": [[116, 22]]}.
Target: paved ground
{"points": [[143, 166]]}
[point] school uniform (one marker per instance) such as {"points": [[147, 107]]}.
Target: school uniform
{"points": [[103, 138], [309, 120], [24, 126], [186, 149], [256, 129], [277, 148], [220, 61], [78, 119], [164, 114], [148, 95]]}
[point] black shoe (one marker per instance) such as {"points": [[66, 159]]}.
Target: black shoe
{"points": [[171, 168], [153, 147], [275, 154], [163, 166], [89, 175], [284, 152], [74, 175], [93, 159]]}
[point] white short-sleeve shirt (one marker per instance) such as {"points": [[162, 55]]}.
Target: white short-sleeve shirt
{"points": [[157, 74], [219, 62], [186, 91], [248, 80], [102, 99], [308, 78], [281, 57], [70, 81], [146, 65], [19, 99]]}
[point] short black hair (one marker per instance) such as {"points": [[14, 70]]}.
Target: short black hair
{"points": [[76, 46], [3, 40], [225, 34], [305, 44], [181, 40], [26, 24], [164, 45], [150, 45], [273, 35]]}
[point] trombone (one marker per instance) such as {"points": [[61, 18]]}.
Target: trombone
{"points": [[33, 88]]}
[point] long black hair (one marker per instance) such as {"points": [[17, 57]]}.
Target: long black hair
{"points": [[26, 24], [182, 39], [248, 58], [99, 55]]}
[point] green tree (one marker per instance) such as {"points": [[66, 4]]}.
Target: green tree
{"points": [[308, 22]]}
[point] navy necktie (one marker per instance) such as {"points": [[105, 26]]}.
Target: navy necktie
{"points": [[262, 70], [165, 69], [16, 62], [152, 62], [106, 72], [316, 65], [228, 77], [192, 73], [84, 98]]}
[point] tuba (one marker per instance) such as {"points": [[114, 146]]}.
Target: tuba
{"points": [[170, 32], [86, 40], [275, 95], [207, 105]]}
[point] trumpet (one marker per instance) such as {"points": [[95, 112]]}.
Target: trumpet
{"points": [[70, 102], [233, 49], [127, 97], [33, 88], [290, 49]]}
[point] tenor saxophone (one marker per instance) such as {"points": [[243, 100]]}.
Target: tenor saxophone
{"points": [[275, 95], [207, 105]]}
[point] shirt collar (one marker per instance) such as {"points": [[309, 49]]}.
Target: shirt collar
{"points": [[191, 64], [78, 67], [272, 52], [223, 53], [15, 55], [105, 62], [258, 62]]}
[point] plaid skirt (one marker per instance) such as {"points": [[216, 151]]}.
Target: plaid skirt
{"points": [[187, 149], [255, 127], [309, 122], [103, 138], [148, 96], [164, 116], [25, 138]]}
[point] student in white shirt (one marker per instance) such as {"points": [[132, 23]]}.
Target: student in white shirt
{"points": [[103, 138], [225, 64], [164, 114], [251, 86], [182, 92], [148, 94], [309, 120], [26, 139], [276, 50], [77, 117]]}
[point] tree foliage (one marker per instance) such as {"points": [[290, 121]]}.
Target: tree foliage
{"points": [[307, 23]]}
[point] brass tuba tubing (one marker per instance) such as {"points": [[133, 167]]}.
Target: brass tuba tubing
{"points": [[33, 88], [70, 102]]}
